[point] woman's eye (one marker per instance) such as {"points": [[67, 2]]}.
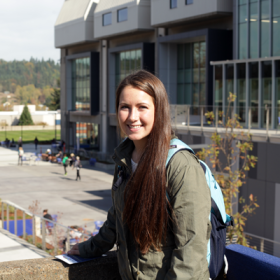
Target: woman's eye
{"points": [[143, 107], [124, 107]]}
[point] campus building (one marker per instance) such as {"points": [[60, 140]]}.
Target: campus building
{"points": [[201, 50]]}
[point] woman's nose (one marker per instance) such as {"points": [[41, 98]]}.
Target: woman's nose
{"points": [[133, 116]]}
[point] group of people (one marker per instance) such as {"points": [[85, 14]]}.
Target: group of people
{"points": [[73, 162]]}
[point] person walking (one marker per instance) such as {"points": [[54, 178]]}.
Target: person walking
{"points": [[36, 141], [20, 155], [159, 219], [19, 142], [78, 167], [65, 163]]}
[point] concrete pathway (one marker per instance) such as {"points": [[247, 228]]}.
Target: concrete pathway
{"points": [[13, 248]]}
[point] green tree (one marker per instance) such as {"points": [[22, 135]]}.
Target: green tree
{"points": [[234, 146], [54, 103], [25, 117]]}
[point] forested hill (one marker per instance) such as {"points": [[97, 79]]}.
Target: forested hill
{"points": [[39, 73]]}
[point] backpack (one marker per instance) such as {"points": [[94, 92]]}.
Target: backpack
{"points": [[218, 217]]}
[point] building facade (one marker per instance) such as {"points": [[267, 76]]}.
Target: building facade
{"points": [[201, 50]]}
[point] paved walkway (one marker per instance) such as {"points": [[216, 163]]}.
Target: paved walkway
{"points": [[75, 202], [13, 248]]}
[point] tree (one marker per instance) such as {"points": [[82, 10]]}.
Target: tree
{"points": [[54, 103], [234, 146], [25, 117]]}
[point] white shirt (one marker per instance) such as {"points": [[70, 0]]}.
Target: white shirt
{"points": [[133, 165]]}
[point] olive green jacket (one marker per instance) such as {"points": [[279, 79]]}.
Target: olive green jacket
{"points": [[183, 255]]}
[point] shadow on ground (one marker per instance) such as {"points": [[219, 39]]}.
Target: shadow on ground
{"points": [[101, 205]]}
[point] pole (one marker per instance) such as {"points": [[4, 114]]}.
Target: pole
{"points": [[55, 126]]}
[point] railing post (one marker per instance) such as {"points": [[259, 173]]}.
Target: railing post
{"points": [[249, 119], [267, 121], [262, 245], [2, 214], [43, 222], [176, 112], [217, 118], [8, 217], [55, 238], [34, 229], [67, 244], [24, 225], [188, 114], [201, 117], [15, 221]]}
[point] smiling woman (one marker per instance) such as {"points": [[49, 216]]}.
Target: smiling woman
{"points": [[157, 238]]}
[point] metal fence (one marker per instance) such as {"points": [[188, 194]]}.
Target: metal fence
{"points": [[53, 235]]}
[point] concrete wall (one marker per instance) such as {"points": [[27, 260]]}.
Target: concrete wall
{"points": [[138, 17], [162, 15], [75, 23], [12, 118]]}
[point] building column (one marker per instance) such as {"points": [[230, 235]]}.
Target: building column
{"points": [[63, 95], [103, 111]]}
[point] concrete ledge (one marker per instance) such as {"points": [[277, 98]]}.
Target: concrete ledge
{"points": [[105, 268], [246, 263]]}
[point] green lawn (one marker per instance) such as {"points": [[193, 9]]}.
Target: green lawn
{"points": [[29, 135]]}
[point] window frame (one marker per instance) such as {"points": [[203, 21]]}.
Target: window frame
{"points": [[118, 17], [103, 18], [171, 4]]}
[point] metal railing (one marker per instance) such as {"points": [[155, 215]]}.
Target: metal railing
{"points": [[264, 245], [40, 228], [249, 117]]}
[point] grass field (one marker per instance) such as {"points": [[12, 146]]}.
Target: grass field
{"points": [[29, 135]]}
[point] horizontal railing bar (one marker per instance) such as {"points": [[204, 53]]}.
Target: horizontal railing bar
{"points": [[259, 237]]}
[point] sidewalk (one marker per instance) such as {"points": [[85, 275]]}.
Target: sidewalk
{"points": [[13, 248]]}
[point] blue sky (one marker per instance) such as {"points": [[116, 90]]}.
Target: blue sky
{"points": [[27, 29]]}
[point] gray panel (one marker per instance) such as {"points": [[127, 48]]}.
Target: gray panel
{"points": [[269, 210], [272, 163], [276, 220], [256, 222], [261, 164]]}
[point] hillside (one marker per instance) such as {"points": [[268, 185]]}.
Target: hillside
{"points": [[27, 82]]}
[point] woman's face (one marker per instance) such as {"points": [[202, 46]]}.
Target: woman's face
{"points": [[136, 114]]}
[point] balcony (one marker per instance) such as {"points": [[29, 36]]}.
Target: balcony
{"points": [[163, 15], [115, 17], [74, 24]]}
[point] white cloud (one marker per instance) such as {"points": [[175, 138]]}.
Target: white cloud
{"points": [[27, 29]]}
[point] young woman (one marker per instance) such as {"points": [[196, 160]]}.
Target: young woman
{"points": [[155, 239]]}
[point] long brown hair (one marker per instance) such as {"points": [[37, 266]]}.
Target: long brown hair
{"points": [[145, 210]]}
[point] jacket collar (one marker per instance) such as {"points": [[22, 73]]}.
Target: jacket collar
{"points": [[122, 154]]}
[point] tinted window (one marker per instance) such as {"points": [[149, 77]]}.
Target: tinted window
{"points": [[173, 4], [122, 15], [107, 19], [189, 2]]}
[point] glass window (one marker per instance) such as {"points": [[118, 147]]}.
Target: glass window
{"points": [[241, 91], [241, 2], [277, 93], [254, 40], [266, 91], [173, 4], [254, 92], [107, 19], [81, 84], [276, 36], [126, 63], [87, 135], [188, 2], [122, 15], [276, 8], [242, 40], [265, 28], [191, 71], [218, 86], [243, 14]]}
